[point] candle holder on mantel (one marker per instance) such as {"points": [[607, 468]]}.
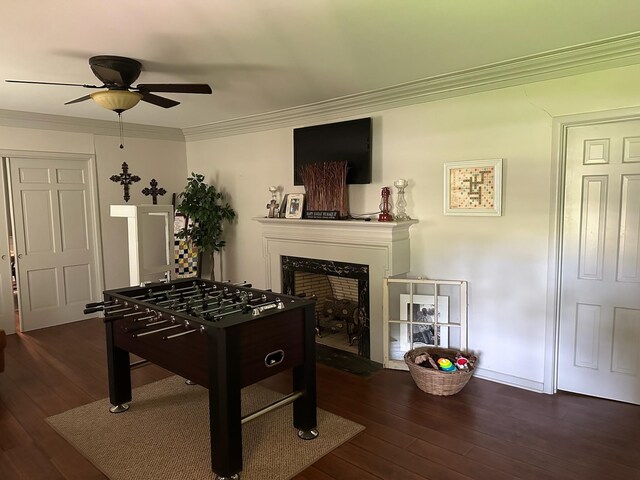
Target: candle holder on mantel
{"points": [[401, 203], [385, 215]]}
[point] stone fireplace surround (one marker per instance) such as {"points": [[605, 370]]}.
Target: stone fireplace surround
{"points": [[383, 246]]}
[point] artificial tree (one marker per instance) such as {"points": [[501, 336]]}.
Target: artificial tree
{"points": [[206, 210]]}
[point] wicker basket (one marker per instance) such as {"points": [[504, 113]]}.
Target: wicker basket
{"points": [[437, 382]]}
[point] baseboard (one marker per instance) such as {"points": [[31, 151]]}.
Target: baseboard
{"points": [[510, 380]]}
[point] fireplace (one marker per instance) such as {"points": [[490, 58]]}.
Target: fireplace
{"points": [[342, 293], [382, 247]]}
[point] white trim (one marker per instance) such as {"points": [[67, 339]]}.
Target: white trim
{"points": [[583, 58], [7, 316], [41, 121], [510, 380], [559, 130], [97, 226]]}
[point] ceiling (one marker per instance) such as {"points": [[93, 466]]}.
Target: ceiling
{"points": [[263, 56]]}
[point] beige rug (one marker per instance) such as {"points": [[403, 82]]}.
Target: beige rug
{"points": [[165, 435]]}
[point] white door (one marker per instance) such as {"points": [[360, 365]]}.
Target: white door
{"points": [[599, 338], [54, 239], [7, 321]]}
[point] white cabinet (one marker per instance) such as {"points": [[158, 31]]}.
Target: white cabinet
{"points": [[419, 312], [150, 238]]}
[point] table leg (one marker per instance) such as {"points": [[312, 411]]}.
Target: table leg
{"points": [[119, 373], [224, 403], [304, 380]]}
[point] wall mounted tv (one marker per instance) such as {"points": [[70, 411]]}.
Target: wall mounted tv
{"points": [[332, 142]]}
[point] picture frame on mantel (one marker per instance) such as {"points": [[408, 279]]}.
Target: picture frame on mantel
{"points": [[283, 206], [473, 187], [295, 204]]}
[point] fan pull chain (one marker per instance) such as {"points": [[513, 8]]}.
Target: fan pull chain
{"points": [[121, 129]]}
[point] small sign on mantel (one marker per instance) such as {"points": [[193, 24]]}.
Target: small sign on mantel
{"points": [[322, 215]]}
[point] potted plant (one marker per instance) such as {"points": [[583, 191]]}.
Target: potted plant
{"points": [[206, 209]]}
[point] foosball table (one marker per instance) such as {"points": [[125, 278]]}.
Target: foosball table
{"points": [[222, 336]]}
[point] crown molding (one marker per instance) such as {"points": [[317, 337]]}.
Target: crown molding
{"points": [[587, 57], [583, 58], [41, 121]]}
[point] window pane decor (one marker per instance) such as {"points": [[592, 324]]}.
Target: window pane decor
{"points": [[420, 312]]}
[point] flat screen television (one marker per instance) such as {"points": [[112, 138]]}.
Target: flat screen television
{"points": [[333, 142]]}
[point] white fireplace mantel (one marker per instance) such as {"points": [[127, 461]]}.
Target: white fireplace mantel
{"points": [[382, 246]]}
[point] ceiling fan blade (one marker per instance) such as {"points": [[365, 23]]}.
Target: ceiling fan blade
{"points": [[108, 75], [55, 83], [175, 87], [78, 100], [157, 100]]}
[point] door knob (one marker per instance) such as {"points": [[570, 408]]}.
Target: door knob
{"points": [[4, 257], [19, 255]]}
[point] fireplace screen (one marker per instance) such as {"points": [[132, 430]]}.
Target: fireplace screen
{"points": [[342, 293]]}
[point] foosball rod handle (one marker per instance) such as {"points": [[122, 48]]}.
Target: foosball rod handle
{"points": [[98, 304], [89, 310]]}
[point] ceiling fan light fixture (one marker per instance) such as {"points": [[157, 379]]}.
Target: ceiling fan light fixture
{"points": [[117, 100]]}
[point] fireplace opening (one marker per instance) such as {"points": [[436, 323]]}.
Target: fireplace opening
{"points": [[342, 299]]}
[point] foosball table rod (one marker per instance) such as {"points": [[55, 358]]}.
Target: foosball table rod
{"points": [[158, 330], [187, 332]]}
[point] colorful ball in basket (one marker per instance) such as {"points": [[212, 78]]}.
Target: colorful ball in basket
{"points": [[462, 363], [446, 365]]}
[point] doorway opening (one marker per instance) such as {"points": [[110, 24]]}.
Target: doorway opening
{"points": [[14, 283], [9, 304]]}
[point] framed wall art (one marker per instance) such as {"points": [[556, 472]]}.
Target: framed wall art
{"points": [[295, 203], [473, 187]]}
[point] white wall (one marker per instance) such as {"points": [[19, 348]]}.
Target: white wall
{"points": [[160, 159], [505, 259], [31, 139], [148, 158]]}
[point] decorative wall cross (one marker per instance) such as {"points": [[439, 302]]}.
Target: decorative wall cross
{"points": [[125, 179], [273, 208], [154, 191]]}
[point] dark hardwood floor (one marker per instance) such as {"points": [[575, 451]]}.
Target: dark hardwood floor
{"points": [[487, 431]]}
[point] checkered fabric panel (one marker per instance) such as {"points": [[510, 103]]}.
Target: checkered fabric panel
{"points": [[186, 259]]}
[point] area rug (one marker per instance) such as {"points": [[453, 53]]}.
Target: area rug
{"points": [[165, 435]]}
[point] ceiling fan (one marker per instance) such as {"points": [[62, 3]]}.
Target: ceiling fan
{"points": [[117, 75]]}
